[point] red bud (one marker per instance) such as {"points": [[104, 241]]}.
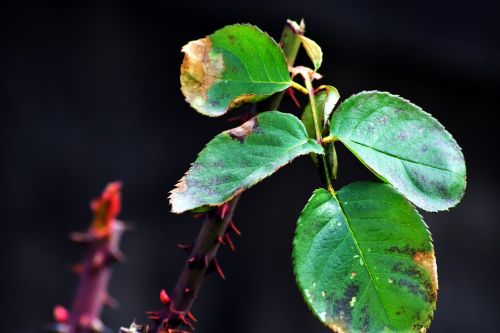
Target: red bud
{"points": [[164, 297], [61, 315]]}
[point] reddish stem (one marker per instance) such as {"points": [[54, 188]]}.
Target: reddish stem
{"points": [[101, 244]]}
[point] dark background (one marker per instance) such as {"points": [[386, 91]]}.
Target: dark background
{"points": [[91, 94]]}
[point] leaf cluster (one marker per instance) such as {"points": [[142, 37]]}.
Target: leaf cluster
{"points": [[362, 255]]}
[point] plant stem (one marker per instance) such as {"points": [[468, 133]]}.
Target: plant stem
{"points": [[318, 128], [101, 243], [202, 257]]}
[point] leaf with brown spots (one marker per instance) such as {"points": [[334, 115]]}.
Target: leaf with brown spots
{"points": [[404, 146], [364, 260], [241, 157], [237, 64]]}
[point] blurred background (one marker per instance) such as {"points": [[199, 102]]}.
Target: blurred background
{"points": [[90, 94]]}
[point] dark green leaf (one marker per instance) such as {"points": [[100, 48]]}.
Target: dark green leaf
{"points": [[364, 260], [239, 158], [237, 64], [404, 146]]}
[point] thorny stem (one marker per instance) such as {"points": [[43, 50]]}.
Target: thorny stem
{"points": [[202, 257], [101, 244]]}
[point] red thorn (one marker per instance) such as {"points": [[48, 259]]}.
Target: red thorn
{"points": [[192, 261], [223, 210], [205, 261], [192, 317], [185, 321], [199, 216], [186, 247], [291, 93], [219, 271], [111, 302], [61, 314], [81, 237], [229, 242], [164, 297], [187, 291], [233, 228], [220, 240], [98, 261], [116, 256]]}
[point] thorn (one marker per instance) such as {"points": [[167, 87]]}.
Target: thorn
{"points": [[164, 297], [223, 210], [186, 247], [98, 261], [205, 261], [217, 268], [199, 216], [233, 228], [220, 240], [185, 321], [291, 93], [116, 256], [111, 302], [229, 242], [192, 317], [81, 237], [61, 314], [192, 262], [187, 291]]}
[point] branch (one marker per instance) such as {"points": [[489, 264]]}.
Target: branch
{"points": [[214, 232], [101, 244]]}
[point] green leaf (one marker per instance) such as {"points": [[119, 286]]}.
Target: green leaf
{"points": [[241, 157], [403, 145], [364, 260], [313, 51], [237, 64]]}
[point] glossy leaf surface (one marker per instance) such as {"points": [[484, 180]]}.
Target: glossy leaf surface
{"points": [[237, 64], [364, 260], [403, 145], [239, 158]]}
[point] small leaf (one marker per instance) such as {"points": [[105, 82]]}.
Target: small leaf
{"points": [[241, 157], [403, 145], [313, 51], [364, 261], [237, 64]]}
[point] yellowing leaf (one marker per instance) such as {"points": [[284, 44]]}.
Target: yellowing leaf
{"points": [[313, 51], [237, 64]]}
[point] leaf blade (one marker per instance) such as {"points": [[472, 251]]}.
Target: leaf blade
{"points": [[235, 65], [239, 158], [403, 145], [313, 50], [364, 260]]}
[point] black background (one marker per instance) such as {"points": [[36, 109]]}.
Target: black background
{"points": [[91, 94]]}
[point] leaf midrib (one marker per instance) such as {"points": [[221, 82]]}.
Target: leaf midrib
{"points": [[345, 141], [362, 255]]}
